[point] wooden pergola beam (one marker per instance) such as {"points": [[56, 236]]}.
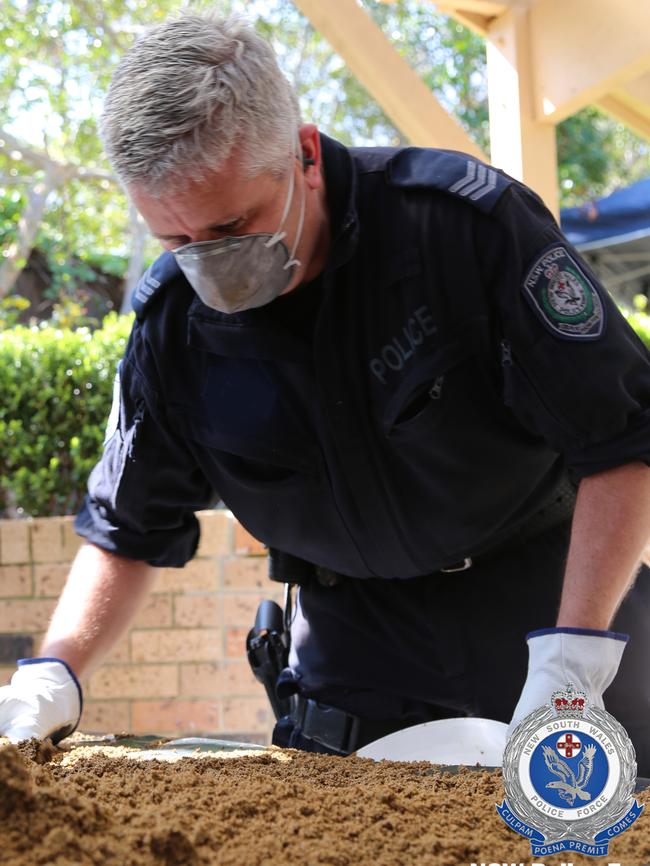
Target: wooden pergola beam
{"points": [[479, 24], [620, 108], [387, 76], [631, 105], [484, 8], [637, 92], [584, 49], [478, 15]]}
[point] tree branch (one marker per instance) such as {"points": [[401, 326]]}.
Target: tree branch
{"points": [[94, 174], [35, 157], [95, 13], [11, 180], [139, 232], [42, 160], [18, 252]]}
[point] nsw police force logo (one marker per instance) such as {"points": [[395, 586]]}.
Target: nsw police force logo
{"points": [[569, 772]]}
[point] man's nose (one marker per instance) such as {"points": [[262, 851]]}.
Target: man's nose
{"points": [[206, 235], [183, 240]]}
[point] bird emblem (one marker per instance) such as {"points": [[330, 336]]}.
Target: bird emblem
{"points": [[570, 785]]}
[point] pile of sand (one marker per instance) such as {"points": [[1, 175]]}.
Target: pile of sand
{"points": [[281, 808]]}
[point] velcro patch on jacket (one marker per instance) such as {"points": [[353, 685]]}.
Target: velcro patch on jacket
{"points": [[450, 171], [567, 301], [152, 282]]}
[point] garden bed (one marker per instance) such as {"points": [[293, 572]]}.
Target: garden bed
{"points": [[95, 805]]}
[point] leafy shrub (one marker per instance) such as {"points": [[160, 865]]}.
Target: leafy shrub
{"points": [[56, 390], [10, 310]]}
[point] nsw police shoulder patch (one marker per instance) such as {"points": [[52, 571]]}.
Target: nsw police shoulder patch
{"points": [[561, 294]]}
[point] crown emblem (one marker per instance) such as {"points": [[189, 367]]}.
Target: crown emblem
{"points": [[569, 701]]}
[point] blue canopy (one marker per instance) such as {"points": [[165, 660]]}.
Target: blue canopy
{"points": [[618, 218], [613, 236]]}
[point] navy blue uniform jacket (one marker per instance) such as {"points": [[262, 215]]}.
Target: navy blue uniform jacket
{"points": [[412, 406]]}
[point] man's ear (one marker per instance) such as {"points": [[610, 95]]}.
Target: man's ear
{"points": [[311, 154]]}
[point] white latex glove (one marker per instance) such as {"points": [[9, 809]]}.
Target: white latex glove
{"points": [[587, 658], [43, 700]]}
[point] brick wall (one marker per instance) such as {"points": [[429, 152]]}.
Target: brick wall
{"points": [[181, 669]]}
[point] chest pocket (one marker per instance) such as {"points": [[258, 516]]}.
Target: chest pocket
{"points": [[250, 419], [420, 401]]}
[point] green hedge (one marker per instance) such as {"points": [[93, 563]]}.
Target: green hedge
{"points": [[56, 389]]}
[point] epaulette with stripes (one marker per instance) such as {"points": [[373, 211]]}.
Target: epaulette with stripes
{"points": [[450, 171], [153, 282]]}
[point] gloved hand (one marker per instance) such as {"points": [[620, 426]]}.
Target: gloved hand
{"points": [[43, 700], [587, 658]]}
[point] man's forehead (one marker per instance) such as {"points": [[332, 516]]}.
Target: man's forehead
{"points": [[218, 198]]}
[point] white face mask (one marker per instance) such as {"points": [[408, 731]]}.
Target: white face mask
{"points": [[239, 273]]}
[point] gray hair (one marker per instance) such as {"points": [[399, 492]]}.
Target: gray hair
{"points": [[186, 93]]}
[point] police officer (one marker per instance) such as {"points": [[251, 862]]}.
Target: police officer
{"points": [[396, 372]]}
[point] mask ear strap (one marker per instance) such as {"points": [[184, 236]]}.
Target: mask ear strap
{"points": [[301, 220], [278, 235]]}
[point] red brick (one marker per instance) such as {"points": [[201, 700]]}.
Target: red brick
{"points": [[15, 580], [49, 579], [105, 717], [240, 610], [26, 615], [14, 541], [197, 611], [71, 542], [121, 653], [176, 717], [156, 613], [134, 681], [247, 714], [216, 533], [246, 545], [239, 679], [219, 678], [236, 642], [199, 575], [47, 539], [176, 645], [242, 572]]}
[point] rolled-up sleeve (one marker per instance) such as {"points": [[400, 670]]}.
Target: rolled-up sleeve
{"points": [[574, 370], [143, 492]]}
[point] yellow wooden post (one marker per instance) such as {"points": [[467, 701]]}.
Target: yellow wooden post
{"points": [[519, 143]]}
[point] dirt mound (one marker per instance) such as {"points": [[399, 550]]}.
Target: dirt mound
{"points": [[42, 822], [285, 808]]}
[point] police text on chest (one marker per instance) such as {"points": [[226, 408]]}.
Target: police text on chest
{"points": [[400, 348]]}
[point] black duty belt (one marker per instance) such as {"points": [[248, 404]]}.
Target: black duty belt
{"points": [[337, 730], [286, 568]]}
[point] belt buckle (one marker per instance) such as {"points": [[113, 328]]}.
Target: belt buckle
{"points": [[459, 566]]}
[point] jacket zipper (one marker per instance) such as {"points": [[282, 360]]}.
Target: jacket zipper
{"points": [[507, 361]]}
